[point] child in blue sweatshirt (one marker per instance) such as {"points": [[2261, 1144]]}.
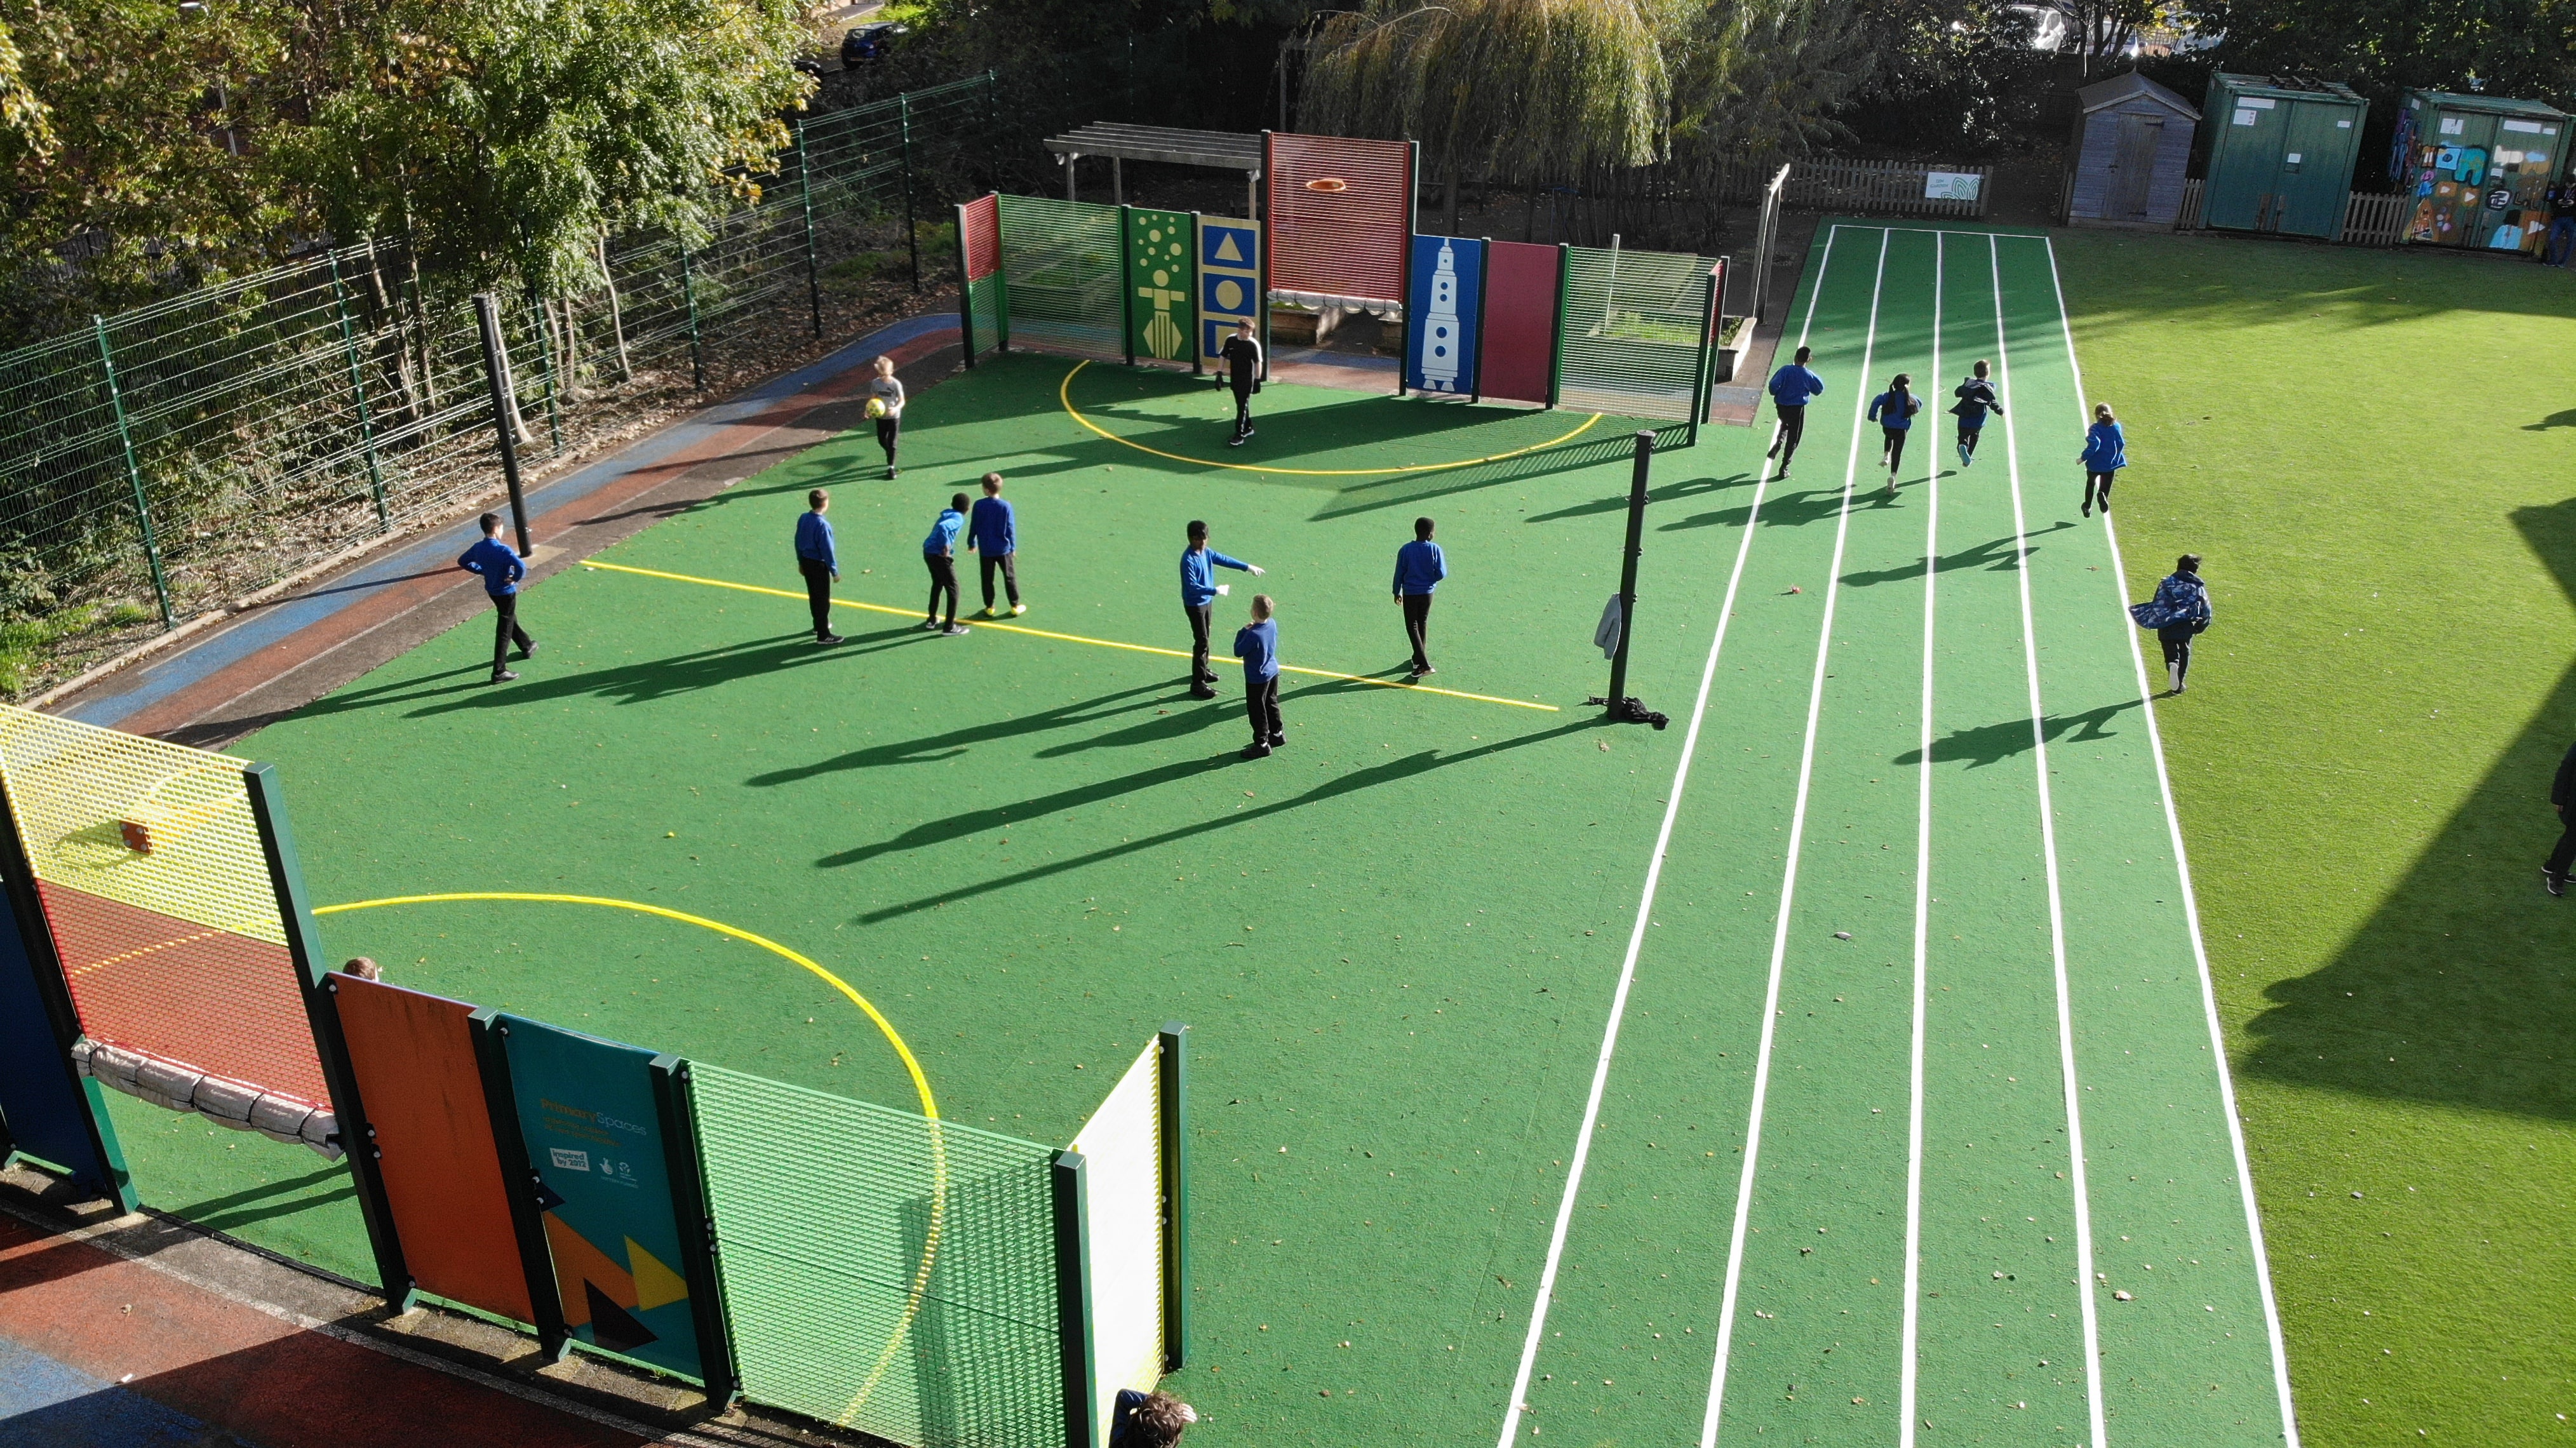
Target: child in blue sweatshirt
{"points": [[1257, 645], [500, 569], [2106, 451], [939, 552], [1199, 590], [1893, 411]]}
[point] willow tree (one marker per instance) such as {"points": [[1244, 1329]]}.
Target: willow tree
{"points": [[1521, 91]]}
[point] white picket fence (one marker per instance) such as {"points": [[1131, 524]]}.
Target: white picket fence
{"points": [[2368, 220]]}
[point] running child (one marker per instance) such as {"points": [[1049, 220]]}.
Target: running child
{"points": [[1792, 388], [1242, 356], [939, 552], [1893, 411], [2106, 451], [1976, 399], [1199, 590], [1257, 645], [885, 404], [993, 532]]}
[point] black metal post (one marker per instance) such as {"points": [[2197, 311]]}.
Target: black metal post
{"points": [[1073, 1301], [527, 1218], [697, 1224], [487, 315], [1174, 1066], [1623, 709], [53, 987]]}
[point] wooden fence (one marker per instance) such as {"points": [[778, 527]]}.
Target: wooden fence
{"points": [[1869, 188], [2368, 219]]}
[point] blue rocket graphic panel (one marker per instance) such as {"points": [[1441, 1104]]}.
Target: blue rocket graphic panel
{"points": [[1448, 289]]}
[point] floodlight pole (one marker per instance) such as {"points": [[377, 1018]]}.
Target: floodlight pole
{"points": [[1622, 708]]}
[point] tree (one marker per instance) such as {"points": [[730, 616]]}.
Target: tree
{"points": [[2523, 48]]}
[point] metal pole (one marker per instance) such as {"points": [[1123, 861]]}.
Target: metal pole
{"points": [[813, 263], [965, 293], [911, 230], [697, 346], [1556, 351], [1073, 1299], [1127, 280], [1702, 372], [358, 389], [133, 469], [1628, 565], [487, 318], [1404, 263]]}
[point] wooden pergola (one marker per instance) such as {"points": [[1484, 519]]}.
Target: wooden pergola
{"points": [[1223, 150]]}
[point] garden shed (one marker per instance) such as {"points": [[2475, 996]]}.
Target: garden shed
{"points": [[2132, 145], [2281, 153], [2478, 169]]}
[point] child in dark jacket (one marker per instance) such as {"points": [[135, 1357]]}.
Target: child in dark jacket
{"points": [[2106, 451], [1976, 399], [1893, 411], [1257, 645]]}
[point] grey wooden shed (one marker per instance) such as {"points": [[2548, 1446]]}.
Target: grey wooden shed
{"points": [[2132, 144]]}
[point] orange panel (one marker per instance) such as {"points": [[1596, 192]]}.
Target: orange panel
{"points": [[414, 1059]]}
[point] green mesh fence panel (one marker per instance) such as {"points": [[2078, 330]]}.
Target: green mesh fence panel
{"points": [[1061, 260], [984, 304], [883, 1271], [1629, 339]]}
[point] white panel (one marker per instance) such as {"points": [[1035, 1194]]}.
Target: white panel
{"points": [[1122, 1155]]}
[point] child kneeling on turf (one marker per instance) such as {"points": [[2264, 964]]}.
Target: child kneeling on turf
{"points": [[1148, 1420], [1257, 645]]}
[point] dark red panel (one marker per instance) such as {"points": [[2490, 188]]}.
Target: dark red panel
{"points": [[1520, 321], [982, 221], [414, 1059], [1340, 215], [223, 1003]]}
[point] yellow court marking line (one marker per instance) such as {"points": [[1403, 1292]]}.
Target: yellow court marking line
{"points": [[1064, 394], [920, 1082], [144, 951], [1039, 633]]}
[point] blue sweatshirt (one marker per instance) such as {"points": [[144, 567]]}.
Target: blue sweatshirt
{"points": [[814, 540], [1198, 574], [1419, 567], [943, 534], [1257, 644], [2105, 448], [1796, 386], [501, 568], [991, 529], [1892, 409]]}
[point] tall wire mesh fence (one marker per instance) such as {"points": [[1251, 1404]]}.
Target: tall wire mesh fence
{"points": [[1630, 338], [183, 456], [1065, 271]]}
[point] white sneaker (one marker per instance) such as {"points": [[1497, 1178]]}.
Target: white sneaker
{"points": [[1965, 457], [2173, 678]]}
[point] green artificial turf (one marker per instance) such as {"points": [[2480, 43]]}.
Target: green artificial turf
{"points": [[2373, 451]]}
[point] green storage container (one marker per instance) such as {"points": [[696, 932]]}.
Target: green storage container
{"points": [[2281, 153], [2478, 168]]}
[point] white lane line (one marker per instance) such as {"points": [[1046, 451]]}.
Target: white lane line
{"points": [[1518, 1404], [2077, 1186], [1789, 878], [1906, 1362], [2191, 918]]}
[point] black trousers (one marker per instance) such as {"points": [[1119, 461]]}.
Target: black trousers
{"points": [[506, 630], [1261, 703], [1202, 617], [1417, 626], [2097, 490], [1793, 426], [943, 577], [1010, 566], [2564, 854], [889, 433], [1242, 407], [1894, 447], [1968, 436], [818, 593], [2177, 645]]}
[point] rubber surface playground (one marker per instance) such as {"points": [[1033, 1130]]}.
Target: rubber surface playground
{"points": [[1835, 1066]]}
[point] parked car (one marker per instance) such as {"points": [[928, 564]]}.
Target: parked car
{"points": [[867, 44]]}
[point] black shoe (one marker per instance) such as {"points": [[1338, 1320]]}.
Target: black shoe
{"points": [[2554, 884], [829, 638], [1256, 750], [890, 472], [1278, 741], [1774, 452], [1421, 669], [1237, 439], [503, 676], [528, 650], [2088, 510], [1202, 691]]}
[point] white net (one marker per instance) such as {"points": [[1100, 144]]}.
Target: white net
{"points": [[1122, 1154]]}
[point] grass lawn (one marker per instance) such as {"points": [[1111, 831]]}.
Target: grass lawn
{"points": [[2373, 451]]}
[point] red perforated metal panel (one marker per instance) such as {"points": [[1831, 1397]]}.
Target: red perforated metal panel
{"points": [[982, 236], [414, 1059], [1520, 321], [1340, 214]]}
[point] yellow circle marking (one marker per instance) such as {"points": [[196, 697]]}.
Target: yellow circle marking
{"points": [[1064, 394], [920, 1082]]}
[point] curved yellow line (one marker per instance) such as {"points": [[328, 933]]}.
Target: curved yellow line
{"points": [[1064, 394], [920, 1082]]}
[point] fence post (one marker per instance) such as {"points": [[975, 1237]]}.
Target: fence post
{"points": [[911, 231], [697, 1225], [813, 263], [1174, 1067], [487, 318], [1126, 282], [1701, 371], [358, 389], [546, 364], [53, 987], [965, 292], [1073, 1301], [1556, 354], [510, 1144], [133, 469], [697, 347]]}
